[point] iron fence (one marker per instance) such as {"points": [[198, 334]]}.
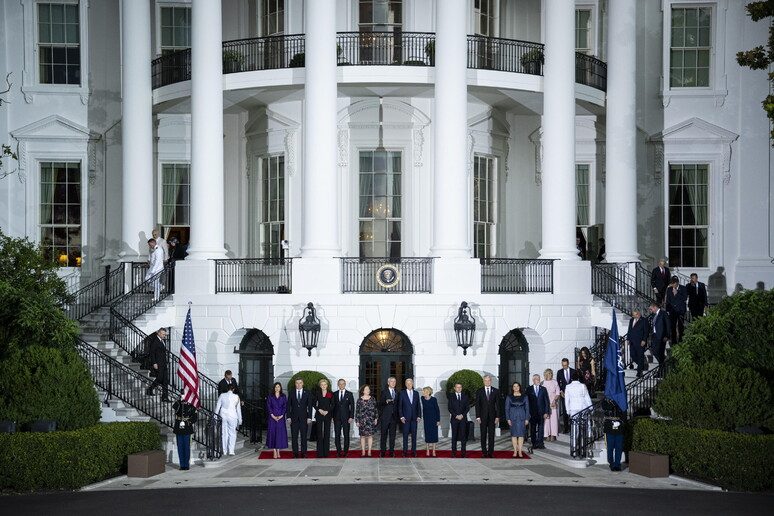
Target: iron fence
{"points": [[409, 275], [612, 283], [385, 48], [96, 294], [254, 275], [590, 71], [505, 55], [516, 276]]}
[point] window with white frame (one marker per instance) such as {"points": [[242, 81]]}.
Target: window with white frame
{"points": [[688, 215], [59, 43], [175, 29], [60, 212], [175, 194], [272, 17], [484, 205], [582, 194], [380, 15], [379, 209], [485, 17], [272, 206], [583, 34], [690, 47]]}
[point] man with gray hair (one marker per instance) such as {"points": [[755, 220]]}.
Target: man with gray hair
{"points": [[487, 415], [388, 416]]}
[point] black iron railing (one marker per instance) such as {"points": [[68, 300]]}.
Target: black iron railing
{"points": [[612, 283], [171, 68], [122, 382], [516, 276], [147, 294], [414, 275], [96, 294], [505, 55], [254, 275], [138, 273], [266, 53], [386, 48], [590, 71], [642, 281]]}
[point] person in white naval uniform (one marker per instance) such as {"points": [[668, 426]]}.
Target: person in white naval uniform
{"points": [[156, 266], [229, 410], [161, 243], [576, 397]]}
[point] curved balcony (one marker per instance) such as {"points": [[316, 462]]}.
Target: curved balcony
{"points": [[377, 48]]}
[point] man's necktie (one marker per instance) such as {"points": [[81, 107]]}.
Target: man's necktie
{"points": [[459, 398], [341, 396], [487, 393]]}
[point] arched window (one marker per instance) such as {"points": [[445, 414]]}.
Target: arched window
{"points": [[383, 353]]}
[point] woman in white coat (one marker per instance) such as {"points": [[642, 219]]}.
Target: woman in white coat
{"points": [[576, 398], [230, 412]]}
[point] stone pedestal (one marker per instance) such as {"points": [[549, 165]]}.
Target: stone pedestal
{"points": [[145, 464], [648, 464]]}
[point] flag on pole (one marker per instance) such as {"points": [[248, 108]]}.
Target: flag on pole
{"points": [[615, 381], [187, 370]]}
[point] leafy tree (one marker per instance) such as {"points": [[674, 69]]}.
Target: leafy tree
{"points": [[760, 57]]}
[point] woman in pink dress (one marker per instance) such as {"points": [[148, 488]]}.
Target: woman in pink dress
{"points": [[551, 428]]}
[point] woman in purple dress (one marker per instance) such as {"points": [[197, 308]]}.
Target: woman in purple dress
{"points": [[277, 433]]}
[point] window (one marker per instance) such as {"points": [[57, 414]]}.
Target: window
{"points": [[688, 215], [484, 17], [583, 41], [690, 47], [484, 205], [380, 15], [272, 206], [175, 29], [380, 204], [175, 195], [60, 212], [272, 17], [582, 191], [59, 48]]}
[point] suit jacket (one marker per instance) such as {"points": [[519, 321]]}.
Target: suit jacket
{"points": [[388, 410], [157, 352], [660, 281], [676, 302], [299, 408], [343, 410], [326, 403], [539, 403], [560, 379], [486, 409], [411, 410], [638, 332], [697, 297], [459, 408], [223, 386], [660, 327]]}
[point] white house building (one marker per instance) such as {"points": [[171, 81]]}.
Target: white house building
{"points": [[386, 160]]}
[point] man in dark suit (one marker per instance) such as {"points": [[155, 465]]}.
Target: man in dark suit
{"points": [[343, 414], [487, 415], [659, 279], [157, 358], [299, 413], [638, 340], [659, 332], [388, 416], [539, 411], [459, 405], [697, 297], [563, 377], [676, 299], [410, 413], [224, 384]]}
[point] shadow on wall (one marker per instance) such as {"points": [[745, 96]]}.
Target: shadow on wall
{"points": [[529, 251]]}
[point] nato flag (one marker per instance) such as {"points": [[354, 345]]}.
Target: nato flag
{"points": [[615, 381]]}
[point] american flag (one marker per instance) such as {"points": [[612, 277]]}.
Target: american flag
{"points": [[187, 370]]}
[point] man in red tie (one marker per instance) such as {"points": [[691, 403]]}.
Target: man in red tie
{"points": [[659, 280]]}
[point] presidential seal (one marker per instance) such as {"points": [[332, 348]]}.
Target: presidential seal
{"points": [[387, 275]]}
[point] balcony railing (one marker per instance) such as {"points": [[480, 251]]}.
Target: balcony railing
{"points": [[371, 276], [515, 276], [376, 48], [254, 275]]}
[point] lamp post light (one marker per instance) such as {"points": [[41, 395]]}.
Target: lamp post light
{"points": [[464, 327], [309, 327]]}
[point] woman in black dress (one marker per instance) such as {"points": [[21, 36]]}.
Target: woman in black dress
{"points": [[586, 370], [323, 406]]}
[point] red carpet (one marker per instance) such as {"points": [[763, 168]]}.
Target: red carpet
{"points": [[355, 454]]}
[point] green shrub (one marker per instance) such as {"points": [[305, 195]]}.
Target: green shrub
{"points": [[725, 458], [69, 460], [46, 383], [470, 381], [716, 396], [298, 60], [311, 381]]}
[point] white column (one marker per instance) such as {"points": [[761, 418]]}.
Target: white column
{"points": [[558, 191], [621, 147], [320, 231], [451, 201], [207, 204], [136, 130]]}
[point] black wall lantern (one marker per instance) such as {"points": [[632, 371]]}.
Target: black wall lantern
{"points": [[464, 327], [309, 327]]}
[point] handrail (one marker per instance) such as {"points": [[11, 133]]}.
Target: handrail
{"points": [[100, 292], [613, 284], [254, 275], [414, 275], [147, 294], [516, 276]]}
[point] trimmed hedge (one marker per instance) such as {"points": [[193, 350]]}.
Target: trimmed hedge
{"points": [[311, 381], [725, 458], [69, 460], [470, 381]]}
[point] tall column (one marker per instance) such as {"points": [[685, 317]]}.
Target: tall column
{"points": [[558, 191], [320, 231], [621, 148], [451, 203], [136, 130], [207, 203]]}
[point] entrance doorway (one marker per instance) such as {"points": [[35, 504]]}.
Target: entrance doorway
{"points": [[514, 365], [385, 352], [256, 367]]}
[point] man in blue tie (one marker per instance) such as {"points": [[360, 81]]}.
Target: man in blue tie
{"points": [[539, 411], [410, 413]]}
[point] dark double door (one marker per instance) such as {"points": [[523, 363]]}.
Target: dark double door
{"points": [[376, 368]]}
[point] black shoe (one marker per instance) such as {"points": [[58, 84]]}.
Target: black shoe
{"points": [[639, 374], [303, 455], [392, 453], [382, 454], [454, 454], [462, 455], [295, 455], [413, 454]]}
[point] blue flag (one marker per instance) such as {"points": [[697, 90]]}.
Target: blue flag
{"points": [[615, 381]]}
